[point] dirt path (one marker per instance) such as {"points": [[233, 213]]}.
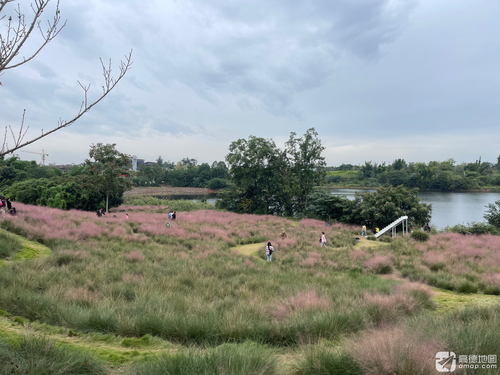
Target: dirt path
{"points": [[251, 249]]}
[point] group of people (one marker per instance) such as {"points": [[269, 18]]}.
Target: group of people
{"points": [[100, 212], [6, 206], [172, 215]]}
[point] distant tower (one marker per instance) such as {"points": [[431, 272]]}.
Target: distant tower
{"points": [[134, 162]]}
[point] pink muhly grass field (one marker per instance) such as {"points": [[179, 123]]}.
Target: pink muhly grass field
{"points": [[454, 249], [135, 256], [308, 300], [394, 351], [312, 223], [131, 278], [378, 261], [358, 255], [282, 244], [312, 259]]}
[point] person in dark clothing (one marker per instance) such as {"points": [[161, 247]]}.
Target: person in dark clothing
{"points": [[9, 204]]}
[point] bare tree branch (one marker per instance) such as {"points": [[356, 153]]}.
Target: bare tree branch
{"points": [[18, 32], [12, 43], [109, 84]]}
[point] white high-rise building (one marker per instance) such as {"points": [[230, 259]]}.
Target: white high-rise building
{"points": [[134, 163]]}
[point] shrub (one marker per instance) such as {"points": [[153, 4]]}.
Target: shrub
{"points": [[467, 287], [473, 228], [325, 361], [135, 256], [9, 245], [420, 236], [379, 264], [385, 239], [371, 238], [217, 183], [243, 359], [47, 357]]}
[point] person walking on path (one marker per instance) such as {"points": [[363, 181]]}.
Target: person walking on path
{"points": [[283, 233], [269, 251], [323, 240], [363, 230]]}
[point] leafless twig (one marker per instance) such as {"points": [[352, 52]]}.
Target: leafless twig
{"points": [[18, 32], [109, 84]]}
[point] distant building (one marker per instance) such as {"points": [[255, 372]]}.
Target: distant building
{"points": [[134, 163]]}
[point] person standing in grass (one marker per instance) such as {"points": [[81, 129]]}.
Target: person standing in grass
{"points": [[269, 251], [363, 230], [323, 240], [283, 233]]}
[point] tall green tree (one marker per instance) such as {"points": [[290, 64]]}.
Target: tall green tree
{"points": [[306, 164], [269, 180], [108, 170], [388, 204], [253, 163], [492, 214]]}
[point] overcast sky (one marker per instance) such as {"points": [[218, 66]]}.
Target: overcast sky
{"points": [[378, 79]]}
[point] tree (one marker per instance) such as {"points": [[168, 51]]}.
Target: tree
{"points": [[388, 204], [269, 180], [492, 214], [330, 207], [14, 44], [399, 164], [188, 162], [108, 170], [250, 170], [307, 164]]}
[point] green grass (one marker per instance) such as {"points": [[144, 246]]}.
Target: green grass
{"points": [[35, 355], [192, 304], [229, 359], [20, 248]]}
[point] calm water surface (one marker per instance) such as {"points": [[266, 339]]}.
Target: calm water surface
{"points": [[447, 208]]}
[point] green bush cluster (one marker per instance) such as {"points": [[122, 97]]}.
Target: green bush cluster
{"points": [[35, 355], [9, 245], [420, 236]]}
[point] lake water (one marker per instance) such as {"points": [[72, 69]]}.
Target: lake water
{"points": [[447, 208]]}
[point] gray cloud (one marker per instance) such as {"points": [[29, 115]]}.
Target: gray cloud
{"points": [[209, 72], [272, 51]]}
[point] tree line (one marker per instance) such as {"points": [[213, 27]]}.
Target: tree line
{"points": [[268, 180], [99, 183], [185, 173], [444, 176]]}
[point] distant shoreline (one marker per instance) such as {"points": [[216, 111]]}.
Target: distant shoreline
{"points": [[168, 190], [480, 190]]}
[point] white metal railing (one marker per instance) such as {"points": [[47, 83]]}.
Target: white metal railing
{"points": [[393, 226]]}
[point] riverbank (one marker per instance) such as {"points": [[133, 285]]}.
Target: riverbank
{"points": [[490, 189]]}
